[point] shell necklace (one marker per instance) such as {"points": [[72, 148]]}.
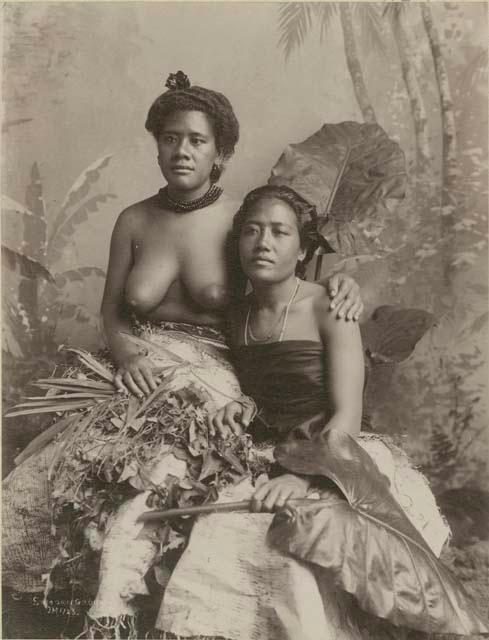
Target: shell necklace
{"points": [[283, 317]]}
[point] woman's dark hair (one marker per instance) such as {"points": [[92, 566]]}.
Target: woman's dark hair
{"points": [[305, 213], [181, 96]]}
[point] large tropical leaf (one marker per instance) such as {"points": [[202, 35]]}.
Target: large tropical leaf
{"points": [[25, 266], [78, 275], [391, 333], [366, 542], [10, 340], [79, 190], [65, 231], [353, 173], [23, 231]]}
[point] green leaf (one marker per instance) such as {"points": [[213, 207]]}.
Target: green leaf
{"points": [[365, 542], [351, 173]]}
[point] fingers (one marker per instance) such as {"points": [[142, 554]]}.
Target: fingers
{"points": [[355, 311], [333, 285], [233, 416], [340, 295], [350, 308], [131, 384], [149, 378], [247, 415], [119, 385], [227, 421], [220, 426], [270, 497]]}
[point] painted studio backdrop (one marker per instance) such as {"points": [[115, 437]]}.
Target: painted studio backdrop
{"points": [[78, 81]]}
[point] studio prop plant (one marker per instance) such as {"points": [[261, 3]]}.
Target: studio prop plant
{"points": [[36, 292]]}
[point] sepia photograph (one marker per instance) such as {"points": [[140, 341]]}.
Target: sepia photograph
{"points": [[245, 320]]}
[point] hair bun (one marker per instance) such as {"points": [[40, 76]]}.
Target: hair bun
{"points": [[177, 81]]}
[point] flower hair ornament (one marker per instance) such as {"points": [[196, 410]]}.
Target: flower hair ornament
{"points": [[177, 81], [312, 239]]}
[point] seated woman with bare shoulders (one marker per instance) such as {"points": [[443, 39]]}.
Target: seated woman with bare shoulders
{"points": [[341, 560], [168, 284]]}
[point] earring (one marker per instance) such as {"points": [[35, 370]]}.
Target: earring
{"points": [[215, 172]]}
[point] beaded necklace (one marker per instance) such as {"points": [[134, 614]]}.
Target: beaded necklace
{"points": [[284, 315], [178, 206]]}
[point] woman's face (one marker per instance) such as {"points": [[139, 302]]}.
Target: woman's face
{"points": [[187, 151], [269, 242]]}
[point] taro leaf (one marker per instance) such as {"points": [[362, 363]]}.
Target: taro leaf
{"points": [[351, 172], [22, 230], [391, 334], [367, 543]]}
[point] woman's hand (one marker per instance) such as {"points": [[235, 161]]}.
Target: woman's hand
{"points": [[135, 375], [273, 494], [345, 296], [232, 419]]}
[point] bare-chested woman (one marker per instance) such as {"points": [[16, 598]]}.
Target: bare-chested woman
{"points": [[168, 259], [168, 282]]}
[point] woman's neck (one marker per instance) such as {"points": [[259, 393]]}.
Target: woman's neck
{"points": [[274, 295]]}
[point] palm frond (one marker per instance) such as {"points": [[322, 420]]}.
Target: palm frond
{"points": [[294, 23], [45, 438], [325, 11], [372, 27], [91, 363], [79, 383]]}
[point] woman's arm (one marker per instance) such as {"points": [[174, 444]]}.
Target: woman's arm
{"points": [[134, 370], [344, 368]]}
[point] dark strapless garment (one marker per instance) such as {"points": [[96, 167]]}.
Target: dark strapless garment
{"points": [[287, 380]]}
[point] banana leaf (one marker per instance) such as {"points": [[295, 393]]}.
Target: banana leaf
{"points": [[353, 173], [27, 267], [23, 231], [366, 543]]}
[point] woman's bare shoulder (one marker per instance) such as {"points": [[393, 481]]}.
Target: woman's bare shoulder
{"points": [[321, 305], [136, 214]]}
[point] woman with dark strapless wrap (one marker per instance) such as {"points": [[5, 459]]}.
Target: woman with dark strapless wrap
{"points": [[358, 559]]}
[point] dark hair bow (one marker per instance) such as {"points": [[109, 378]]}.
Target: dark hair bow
{"points": [[177, 81]]}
